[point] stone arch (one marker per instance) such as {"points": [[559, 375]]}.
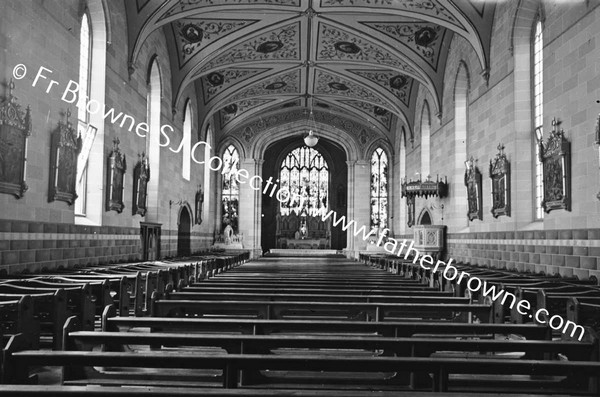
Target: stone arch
{"points": [[184, 228], [425, 217]]}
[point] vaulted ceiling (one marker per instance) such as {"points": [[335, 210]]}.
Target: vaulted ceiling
{"points": [[357, 63]]}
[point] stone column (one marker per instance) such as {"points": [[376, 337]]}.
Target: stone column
{"points": [[250, 220], [361, 213]]}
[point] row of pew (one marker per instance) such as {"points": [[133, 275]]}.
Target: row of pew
{"points": [[311, 327]]}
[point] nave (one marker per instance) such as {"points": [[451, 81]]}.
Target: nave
{"points": [[220, 325]]}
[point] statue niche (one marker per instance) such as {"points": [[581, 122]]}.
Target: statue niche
{"points": [[115, 175], [15, 127], [65, 148]]}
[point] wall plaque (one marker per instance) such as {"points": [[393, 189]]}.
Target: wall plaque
{"points": [[117, 166], [473, 184], [15, 127], [555, 156], [65, 148], [500, 175]]}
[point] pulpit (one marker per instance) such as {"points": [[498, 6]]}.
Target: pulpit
{"points": [[430, 239]]}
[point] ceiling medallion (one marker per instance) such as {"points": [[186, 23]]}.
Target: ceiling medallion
{"points": [[425, 36], [276, 85], [231, 109], [397, 82], [269, 46], [215, 79], [192, 33], [347, 47], [338, 86], [380, 111]]}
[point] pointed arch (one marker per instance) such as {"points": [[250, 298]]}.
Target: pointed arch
{"points": [[187, 140], [461, 125], [379, 188], [230, 188], [425, 141], [153, 105]]}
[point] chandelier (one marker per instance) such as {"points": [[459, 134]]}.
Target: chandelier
{"points": [[311, 139]]}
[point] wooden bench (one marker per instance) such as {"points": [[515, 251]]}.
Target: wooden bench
{"points": [[50, 311], [583, 374], [112, 391], [17, 317], [291, 309]]}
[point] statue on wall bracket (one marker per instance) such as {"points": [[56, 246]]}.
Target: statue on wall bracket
{"points": [[555, 156], [141, 176], [598, 141], [65, 148], [15, 127], [500, 175], [199, 202], [473, 184], [116, 167], [410, 211]]}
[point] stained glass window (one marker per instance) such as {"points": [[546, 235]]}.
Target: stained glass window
{"points": [[379, 189], [304, 172], [231, 188]]}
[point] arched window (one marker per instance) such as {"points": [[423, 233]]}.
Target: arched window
{"points": [[304, 172], [187, 141], [425, 141], [230, 197], [538, 113], [153, 106], [379, 189], [85, 63]]}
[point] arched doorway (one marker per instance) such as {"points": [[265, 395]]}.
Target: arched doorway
{"points": [[183, 232]]}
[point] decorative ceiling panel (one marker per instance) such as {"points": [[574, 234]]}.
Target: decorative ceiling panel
{"points": [[287, 83], [236, 110], [338, 45], [221, 80], [186, 6], [250, 130], [398, 84], [328, 84], [424, 39], [276, 45], [425, 8], [194, 34], [380, 114]]}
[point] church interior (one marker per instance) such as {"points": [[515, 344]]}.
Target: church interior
{"points": [[299, 197]]}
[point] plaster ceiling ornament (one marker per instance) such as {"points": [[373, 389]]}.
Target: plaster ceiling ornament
{"points": [[426, 8], [336, 44], [329, 84], [398, 84], [348, 58], [233, 110], [424, 39], [382, 115], [278, 44], [195, 34], [187, 5], [218, 81], [287, 83]]}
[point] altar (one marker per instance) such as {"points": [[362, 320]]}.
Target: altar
{"points": [[303, 232]]}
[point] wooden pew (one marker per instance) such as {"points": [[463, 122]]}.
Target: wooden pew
{"points": [[17, 317], [111, 391], [291, 309], [584, 311], [19, 362], [50, 311]]}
